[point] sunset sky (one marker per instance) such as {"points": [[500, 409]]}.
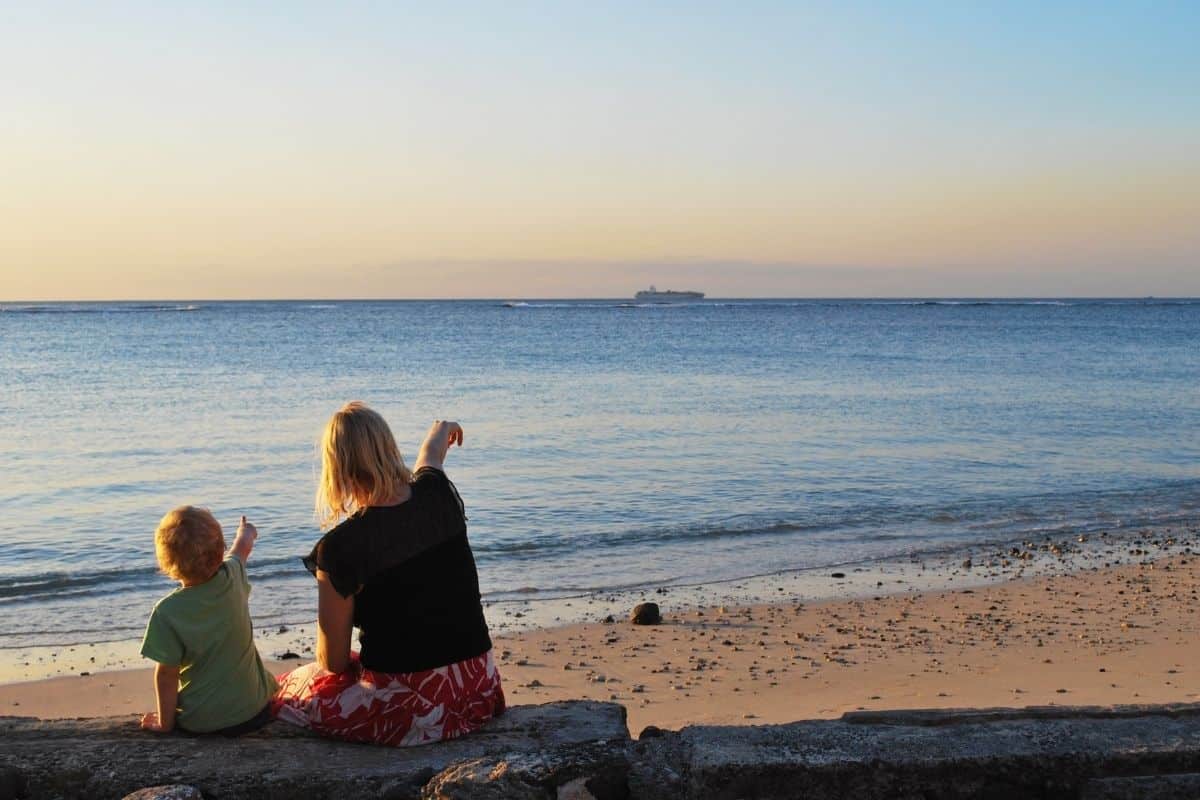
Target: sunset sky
{"points": [[213, 150]]}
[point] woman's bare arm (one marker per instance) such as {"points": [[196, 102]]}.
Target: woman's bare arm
{"points": [[335, 623], [437, 443]]}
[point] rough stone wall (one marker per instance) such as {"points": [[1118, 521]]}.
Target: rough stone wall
{"points": [[582, 751]]}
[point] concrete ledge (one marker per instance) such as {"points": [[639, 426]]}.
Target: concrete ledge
{"points": [[100, 758], [1146, 787], [958, 716], [992, 753], [581, 750]]}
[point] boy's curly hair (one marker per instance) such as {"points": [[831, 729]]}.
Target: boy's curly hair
{"points": [[189, 545]]}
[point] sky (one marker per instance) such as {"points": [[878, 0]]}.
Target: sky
{"points": [[559, 149]]}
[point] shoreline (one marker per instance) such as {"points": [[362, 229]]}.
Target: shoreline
{"points": [[1085, 626], [960, 566]]}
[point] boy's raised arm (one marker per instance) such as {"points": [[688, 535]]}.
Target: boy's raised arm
{"points": [[243, 543]]}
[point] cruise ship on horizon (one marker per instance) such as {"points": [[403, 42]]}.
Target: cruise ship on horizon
{"points": [[653, 295]]}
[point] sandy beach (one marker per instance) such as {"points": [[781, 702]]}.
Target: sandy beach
{"points": [[1125, 633]]}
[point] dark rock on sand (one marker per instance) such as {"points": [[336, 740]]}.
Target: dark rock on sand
{"points": [[646, 614]]}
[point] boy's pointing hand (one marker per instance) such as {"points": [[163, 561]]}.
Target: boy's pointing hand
{"points": [[245, 529], [243, 543]]}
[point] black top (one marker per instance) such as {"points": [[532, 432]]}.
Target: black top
{"points": [[412, 574]]}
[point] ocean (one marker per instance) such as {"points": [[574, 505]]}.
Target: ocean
{"points": [[608, 445]]}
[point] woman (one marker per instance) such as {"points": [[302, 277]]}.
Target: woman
{"points": [[397, 566]]}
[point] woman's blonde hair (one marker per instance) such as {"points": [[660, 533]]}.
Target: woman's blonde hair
{"points": [[360, 464], [189, 545]]}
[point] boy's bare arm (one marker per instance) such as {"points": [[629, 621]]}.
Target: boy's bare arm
{"points": [[243, 543], [166, 690]]}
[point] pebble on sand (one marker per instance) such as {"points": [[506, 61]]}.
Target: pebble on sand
{"points": [[646, 614]]}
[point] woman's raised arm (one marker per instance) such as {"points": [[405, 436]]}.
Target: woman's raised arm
{"points": [[437, 443]]}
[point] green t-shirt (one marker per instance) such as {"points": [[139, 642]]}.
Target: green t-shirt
{"points": [[206, 630]]}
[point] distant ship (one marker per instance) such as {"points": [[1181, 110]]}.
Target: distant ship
{"points": [[655, 296]]}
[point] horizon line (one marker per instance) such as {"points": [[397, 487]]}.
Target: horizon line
{"points": [[518, 298]]}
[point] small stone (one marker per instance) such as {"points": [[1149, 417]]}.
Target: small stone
{"points": [[575, 790], [646, 614], [289, 655], [837, 575]]}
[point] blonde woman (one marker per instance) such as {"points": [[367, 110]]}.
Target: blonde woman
{"points": [[397, 565]]}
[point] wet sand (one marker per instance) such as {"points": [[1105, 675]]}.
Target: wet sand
{"points": [[1097, 635]]}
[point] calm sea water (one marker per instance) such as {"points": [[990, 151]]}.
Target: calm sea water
{"points": [[607, 444]]}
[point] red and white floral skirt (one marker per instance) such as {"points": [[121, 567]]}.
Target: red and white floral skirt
{"points": [[393, 708]]}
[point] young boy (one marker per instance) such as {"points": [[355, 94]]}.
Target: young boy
{"points": [[209, 677]]}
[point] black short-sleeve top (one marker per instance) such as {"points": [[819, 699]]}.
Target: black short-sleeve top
{"points": [[411, 571]]}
